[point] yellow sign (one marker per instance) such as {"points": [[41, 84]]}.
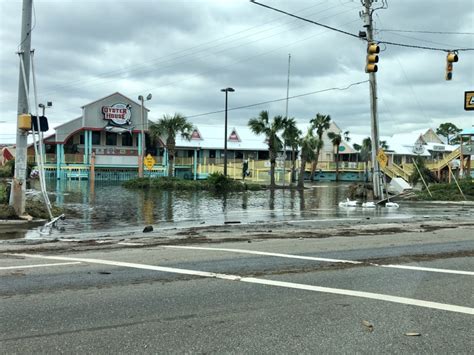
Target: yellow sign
{"points": [[469, 100], [149, 162], [382, 158]]}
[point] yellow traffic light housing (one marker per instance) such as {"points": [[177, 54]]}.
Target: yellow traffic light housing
{"points": [[372, 58], [451, 58]]}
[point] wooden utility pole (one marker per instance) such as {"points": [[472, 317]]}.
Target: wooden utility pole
{"points": [[17, 195]]}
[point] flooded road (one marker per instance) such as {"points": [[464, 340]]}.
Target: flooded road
{"points": [[110, 207]]}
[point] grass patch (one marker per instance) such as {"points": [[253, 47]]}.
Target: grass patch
{"points": [[448, 192], [3, 192], [215, 183]]}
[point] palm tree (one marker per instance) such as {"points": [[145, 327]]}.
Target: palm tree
{"points": [[308, 144], [291, 135], [365, 151], [262, 125], [320, 123], [336, 140], [169, 127]]}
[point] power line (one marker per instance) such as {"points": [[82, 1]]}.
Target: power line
{"points": [[144, 68], [356, 36], [305, 19], [172, 57], [282, 99], [227, 65], [428, 32]]}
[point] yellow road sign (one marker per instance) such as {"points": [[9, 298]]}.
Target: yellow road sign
{"points": [[469, 100], [382, 158], [149, 162]]}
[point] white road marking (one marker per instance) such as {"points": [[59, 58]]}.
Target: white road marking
{"points": [[361, 294], [245, 251], [39, 265], [130, 244], [419, 268], [292, 256]]}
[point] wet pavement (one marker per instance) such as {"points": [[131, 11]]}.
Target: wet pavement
{"points": [[108, 207]]}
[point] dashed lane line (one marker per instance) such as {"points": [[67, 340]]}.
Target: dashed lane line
{"points": [[291, 285], [293, 256]]}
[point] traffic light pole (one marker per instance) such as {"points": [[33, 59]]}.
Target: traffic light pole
{"points": [[377, 186], [18, 190]]}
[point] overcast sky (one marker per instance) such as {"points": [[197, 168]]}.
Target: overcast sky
{"points": [[184, 52]]}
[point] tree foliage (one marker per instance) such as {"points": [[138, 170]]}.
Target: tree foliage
{"points": [[321, 124], [167, 128], [448, 130], [308, 145], [262, 125]]}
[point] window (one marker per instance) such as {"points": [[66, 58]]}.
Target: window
{"points": [[81, 138], [263, 155], [110, 138], [96, 138], [127, 140], [212, 153]]}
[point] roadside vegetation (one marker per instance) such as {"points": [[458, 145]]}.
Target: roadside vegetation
{"points": [[448, 191], [215, 183]]}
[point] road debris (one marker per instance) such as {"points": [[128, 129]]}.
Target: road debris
{"points": [[369, 326]]}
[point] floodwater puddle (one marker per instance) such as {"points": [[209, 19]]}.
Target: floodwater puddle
{"points": [[108, 206]]}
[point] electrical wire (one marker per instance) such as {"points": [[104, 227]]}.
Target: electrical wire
{"points": [[306, 20], [144, 70], [356, 36], [172, 56], [282, 99], [428, 32], [212, 54]]}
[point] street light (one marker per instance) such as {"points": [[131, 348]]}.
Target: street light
{"points": [[43, 106], [226, 90], [142, 155]]}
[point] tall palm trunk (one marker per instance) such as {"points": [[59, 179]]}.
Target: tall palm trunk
{"points": [[302, 171], [171, 145], [272, 168], [315, 163], [293, 164]]}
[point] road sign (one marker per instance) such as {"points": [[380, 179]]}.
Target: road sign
{"points": [[469, 100], [149, 162], [382, 158]]}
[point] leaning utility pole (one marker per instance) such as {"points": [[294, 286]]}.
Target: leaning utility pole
{"points": [[377, 186], [17, 195]]}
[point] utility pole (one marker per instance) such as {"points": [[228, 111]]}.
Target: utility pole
{"points": [[367, 16], [17, 195], [286, 116]]}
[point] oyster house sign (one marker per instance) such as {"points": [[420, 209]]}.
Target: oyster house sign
{"points": [[119, 114]]}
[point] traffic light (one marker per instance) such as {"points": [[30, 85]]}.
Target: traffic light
{"points": [[451, 58], [372, 58]]}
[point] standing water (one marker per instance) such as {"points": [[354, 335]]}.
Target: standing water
{"points": [[109, 207]]}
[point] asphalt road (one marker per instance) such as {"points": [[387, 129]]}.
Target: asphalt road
{"points": [[361, 294]]}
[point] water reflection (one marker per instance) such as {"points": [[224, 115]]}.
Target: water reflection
{"points": [[108, 206]]}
